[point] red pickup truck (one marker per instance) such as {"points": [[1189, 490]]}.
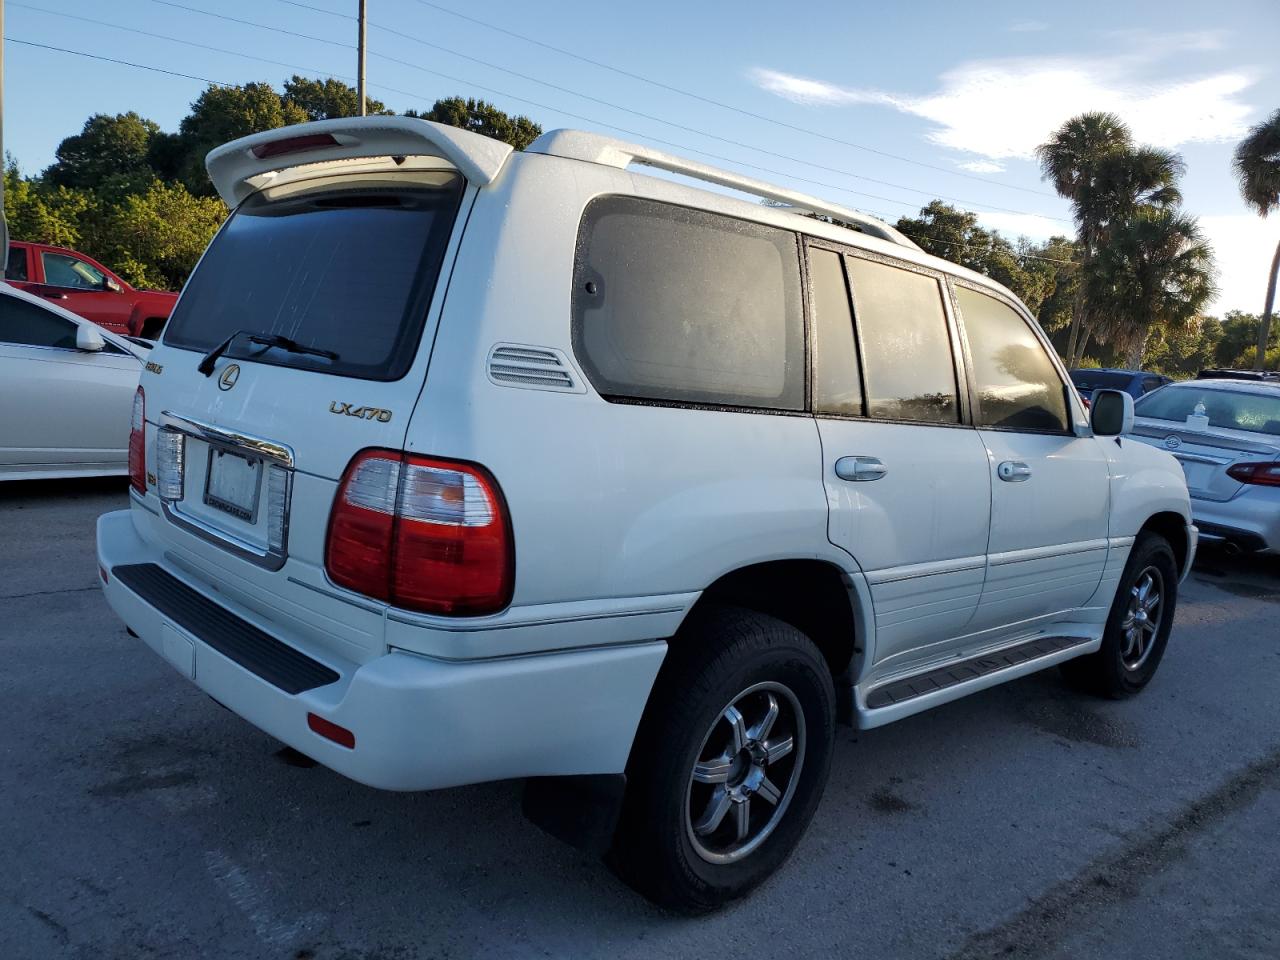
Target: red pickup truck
{"points": [[79, 283]]}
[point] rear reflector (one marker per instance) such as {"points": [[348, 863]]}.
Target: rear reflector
{"points": [[1263, 474], [422, 534], [276, 148], [137, 443], [331, 731], [102, 572]]}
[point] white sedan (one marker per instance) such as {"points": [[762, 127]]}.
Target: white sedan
{"points": [[66, 389]]}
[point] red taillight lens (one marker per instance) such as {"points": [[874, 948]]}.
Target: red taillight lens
{"points": [[423, 534], [138, 443], [1264, 474], [276, 148]]}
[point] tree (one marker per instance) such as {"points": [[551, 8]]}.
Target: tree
{"points": [[108, 153], [954, 235], [327, 99], [484, 118], [1257, 166], [31, 215], [221, 114], [1155, 269], [1091, 161]]}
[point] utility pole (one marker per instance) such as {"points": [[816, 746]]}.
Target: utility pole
{"points": [[360, 46], [4, 223]]}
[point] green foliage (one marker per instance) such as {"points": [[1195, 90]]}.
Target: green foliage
{"points": [[109, 154], [327, 99], [37, 214], [1257, 166], [484, 118], [154, 238]]}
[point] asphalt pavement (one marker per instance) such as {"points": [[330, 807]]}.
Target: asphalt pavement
{"points": [[138, 819]]}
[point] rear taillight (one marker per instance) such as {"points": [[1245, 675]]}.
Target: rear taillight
{"points": [[310, 141], [1265, 474], [422, 534], [138, 443]]}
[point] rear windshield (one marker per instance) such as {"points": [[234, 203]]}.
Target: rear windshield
{"points": [[348, 266], [1227, 409], [1100, 380]]}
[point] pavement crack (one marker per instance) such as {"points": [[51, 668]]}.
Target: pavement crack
{"points": [[46, 593], [1040, 926]]}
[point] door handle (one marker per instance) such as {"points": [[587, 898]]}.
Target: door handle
{"points": [[860, 468], [54, 296], [1013, 471]]}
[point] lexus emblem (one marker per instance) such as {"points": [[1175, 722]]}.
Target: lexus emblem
{"points": [[1172, 442], [229, 377]]}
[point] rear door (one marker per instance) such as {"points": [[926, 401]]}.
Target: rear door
{"points": [[344, 269], [1049, 488], [907, 482]]}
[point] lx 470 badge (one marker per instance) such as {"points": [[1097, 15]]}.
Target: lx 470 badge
{"points": [[365, 413]]}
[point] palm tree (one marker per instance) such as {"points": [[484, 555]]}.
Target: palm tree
{"points": [[1070, 160], [1092, 162], [1257, 165], [1155, 269]]}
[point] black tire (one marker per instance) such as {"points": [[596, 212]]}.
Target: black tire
{"points": [[152, 328], [1114, 671], [724, 656]]}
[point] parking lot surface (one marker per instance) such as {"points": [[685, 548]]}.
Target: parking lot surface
{"points": [[139, 819]]}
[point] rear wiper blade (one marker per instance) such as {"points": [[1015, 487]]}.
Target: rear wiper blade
{"points": [[267, 340]]}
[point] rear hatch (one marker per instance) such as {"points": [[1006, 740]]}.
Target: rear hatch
{"points": [[317, 294]]}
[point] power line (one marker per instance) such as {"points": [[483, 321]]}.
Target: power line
{"points": [[161, 36], [697, 96], [140, 66], [123, 63], [671, 123], [247, 23]]}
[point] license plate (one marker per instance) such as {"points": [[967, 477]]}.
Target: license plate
{"points": [[1197, 474], [233, 484]]}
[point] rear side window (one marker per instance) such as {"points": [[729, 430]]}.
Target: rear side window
{"points": [[680, 305], [909, 368], [347, 266], [1018, 387], [26, 324]]}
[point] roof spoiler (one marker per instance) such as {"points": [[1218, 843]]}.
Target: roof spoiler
{"points": [[594, 148], [242, 166]]}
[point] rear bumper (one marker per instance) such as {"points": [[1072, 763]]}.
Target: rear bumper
{"points": [[419, 723], [1250, 520]]}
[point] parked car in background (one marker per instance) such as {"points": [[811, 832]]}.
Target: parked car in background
{"points": [[1136, 383], [667, 482], [1233, 465], [1265, 376], [66, 389], [82, 285]]}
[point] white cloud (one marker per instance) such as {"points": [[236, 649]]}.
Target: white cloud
{"points": [[1243, 246], [981, 166], [1027, 26], [1004, 108]]}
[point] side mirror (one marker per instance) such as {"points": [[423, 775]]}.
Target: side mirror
{"points": [[89, 339], [1111, 413], [111, 284]]}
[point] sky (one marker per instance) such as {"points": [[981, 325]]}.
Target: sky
{"points": [[880, 107]]}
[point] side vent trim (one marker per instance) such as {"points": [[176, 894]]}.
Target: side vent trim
{"points": [[533, 368]]}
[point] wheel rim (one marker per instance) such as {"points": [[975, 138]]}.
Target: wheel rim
{"points": [[745, 773], [1142, 620]]}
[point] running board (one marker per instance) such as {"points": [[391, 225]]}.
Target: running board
{"points": [[905, 696]]}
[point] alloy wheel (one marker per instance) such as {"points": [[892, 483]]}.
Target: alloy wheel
{"points": [[1141, 623]]}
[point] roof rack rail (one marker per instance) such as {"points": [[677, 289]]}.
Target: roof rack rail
{"points": [[595, 148]]}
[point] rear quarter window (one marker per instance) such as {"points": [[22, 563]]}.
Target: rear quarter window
{"points": [[679, 305]]}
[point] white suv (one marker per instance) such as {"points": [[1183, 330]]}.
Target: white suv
{"points": [[457, 464]]}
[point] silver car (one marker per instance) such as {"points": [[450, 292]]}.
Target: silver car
{"points": [[1232, 463], [67, 388]]}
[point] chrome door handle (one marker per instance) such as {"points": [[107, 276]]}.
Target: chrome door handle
{"points": [[860, 468], [1014, 471]]}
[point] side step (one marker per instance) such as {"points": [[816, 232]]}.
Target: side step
{"points": [[907, 695]]}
